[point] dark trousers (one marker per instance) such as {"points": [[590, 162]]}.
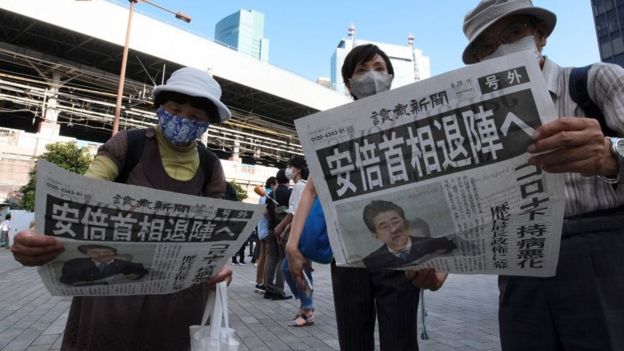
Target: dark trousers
{"points": [[240, 254], [252, 244], [360, 295], [273, 279], [256, 252], [582, 307], [4, 239]]}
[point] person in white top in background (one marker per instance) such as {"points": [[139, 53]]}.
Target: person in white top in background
{"points": [[298, 172], [5, 227]]}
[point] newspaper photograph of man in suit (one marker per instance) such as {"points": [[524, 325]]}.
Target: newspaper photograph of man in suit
{"points": [[101, 266], [404, 242]]}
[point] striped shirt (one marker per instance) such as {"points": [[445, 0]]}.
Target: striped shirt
{"points": [[606, 89], [295, 195]]}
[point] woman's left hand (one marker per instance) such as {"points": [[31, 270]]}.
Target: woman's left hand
{"points": [[427, 278], [296, 264], [224, 275]]}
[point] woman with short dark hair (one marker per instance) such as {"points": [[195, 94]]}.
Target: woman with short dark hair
{"points": [[361, 294]]}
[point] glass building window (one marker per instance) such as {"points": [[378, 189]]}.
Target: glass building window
{"points": [[618, 43], [598, 7], [619, 60], [612, 20], [605, 48], [609, 5], [601, 26], [620, 12]]}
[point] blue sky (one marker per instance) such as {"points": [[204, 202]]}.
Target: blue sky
{"points": [[304, 34]]}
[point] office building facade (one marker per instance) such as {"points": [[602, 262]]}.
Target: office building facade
{"points": [[609, 20], [244, 31]]}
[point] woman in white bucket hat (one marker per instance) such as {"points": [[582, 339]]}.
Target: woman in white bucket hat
{"points": [[166, 157]]}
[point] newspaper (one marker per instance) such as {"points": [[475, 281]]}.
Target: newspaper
{"points": [[130, 240], [435, 174]]}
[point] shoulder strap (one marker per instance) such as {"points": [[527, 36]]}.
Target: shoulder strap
{"points": [[135, 145], [578, 92], [269, 196], [207, 161]]}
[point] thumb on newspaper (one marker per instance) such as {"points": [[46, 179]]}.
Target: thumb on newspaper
{"points": [[427, 278], [33, 249], [225, 274]]}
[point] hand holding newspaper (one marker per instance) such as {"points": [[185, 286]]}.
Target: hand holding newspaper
{"points": [[128, 240], [435, 174]]}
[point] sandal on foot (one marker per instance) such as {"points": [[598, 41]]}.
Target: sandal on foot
{"points": [[303, 321]]}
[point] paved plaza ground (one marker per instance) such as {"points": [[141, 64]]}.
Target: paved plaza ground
{"points": [[461, 316]]}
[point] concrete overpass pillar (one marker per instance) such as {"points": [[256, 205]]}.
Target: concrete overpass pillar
{"points": [[236, 152], [49, 126]]}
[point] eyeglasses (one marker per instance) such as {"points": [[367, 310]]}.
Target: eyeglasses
{"points": [[511, 34]]}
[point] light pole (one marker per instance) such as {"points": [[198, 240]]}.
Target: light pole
{"points": [[124, 58]]}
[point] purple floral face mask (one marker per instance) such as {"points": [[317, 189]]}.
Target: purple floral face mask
{"points": [[179, 130]]}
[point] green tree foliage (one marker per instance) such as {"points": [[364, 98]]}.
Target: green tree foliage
{"points": [[63, 154], [241, 193]]}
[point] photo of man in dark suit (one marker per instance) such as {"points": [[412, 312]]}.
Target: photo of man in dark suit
{"points": [[403, 243], [101, 267]]}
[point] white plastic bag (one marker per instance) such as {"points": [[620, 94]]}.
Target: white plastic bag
{"points": [[218, 336]]}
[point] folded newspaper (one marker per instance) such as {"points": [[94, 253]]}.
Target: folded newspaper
{"points": [[130, 240], [435, 174]]}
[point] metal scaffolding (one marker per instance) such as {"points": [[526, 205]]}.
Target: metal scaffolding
{"points": [[83, 97]]}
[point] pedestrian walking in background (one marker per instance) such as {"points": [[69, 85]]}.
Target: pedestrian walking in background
{"points": [[5, 227], [298, 169], [277, 209], [263, 231], [230, 194]]}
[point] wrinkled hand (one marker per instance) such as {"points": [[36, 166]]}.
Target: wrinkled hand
{"points": [[427, 278], [279, 237], [296, 264], [573, 144], [32, 249], [224, 275], [277, 231]]}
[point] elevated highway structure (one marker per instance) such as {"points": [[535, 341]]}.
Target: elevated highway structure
{"points": [[59, 70]]}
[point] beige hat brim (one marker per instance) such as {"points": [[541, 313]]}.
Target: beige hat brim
{"points": [[548, 18]]}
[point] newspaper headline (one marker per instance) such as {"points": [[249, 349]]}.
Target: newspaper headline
{"points": [[435, 174], [126, 240]]}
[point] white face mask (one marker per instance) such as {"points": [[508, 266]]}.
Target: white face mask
{"points": [[370, 83], [526, 43], [289, 173]]}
